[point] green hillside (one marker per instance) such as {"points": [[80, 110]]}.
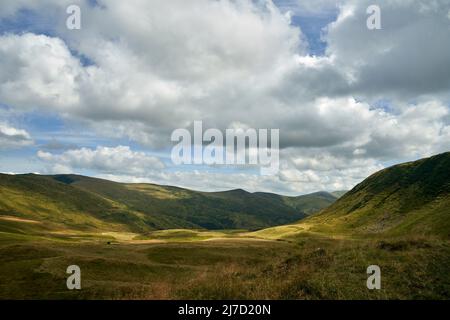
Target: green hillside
{"points": [[339, 193], [396, 219], [59, 206], [83, 203], [311, 203], [410, 199]]}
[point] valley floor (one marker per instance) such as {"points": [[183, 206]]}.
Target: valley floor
{"points": [[184, 264]]}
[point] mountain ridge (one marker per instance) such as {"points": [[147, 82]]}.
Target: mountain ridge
{"points": [[89, 203]]}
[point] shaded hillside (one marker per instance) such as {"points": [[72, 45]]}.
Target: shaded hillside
{"points": [[339, 194], [211, 210], [311, 203], [57, 205], [87, 203]]}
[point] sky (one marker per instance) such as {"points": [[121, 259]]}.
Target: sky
{"points": [[103, 100]]}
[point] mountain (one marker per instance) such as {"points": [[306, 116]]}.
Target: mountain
{"points": [[84, 203], [409, 199], [54, 204], [311, 203], [340, 193]]}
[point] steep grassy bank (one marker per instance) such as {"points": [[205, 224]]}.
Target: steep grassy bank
{"points": [[407, 200]]}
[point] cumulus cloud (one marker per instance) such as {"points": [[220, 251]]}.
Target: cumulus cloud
{"points": [[288, 183], [158, 65], [406, 59], [118, 160], [151, 71], [37, 72], [11, 137]]}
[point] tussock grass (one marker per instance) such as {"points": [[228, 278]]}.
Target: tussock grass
{"points": [[307, 267]]}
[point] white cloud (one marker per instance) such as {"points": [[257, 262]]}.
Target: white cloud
{"points": [[151, 76], [290, 181], [160, 65], [118, 160], [420, 130], [11, 137], [38, 72], [158, 68], [208, 181]]}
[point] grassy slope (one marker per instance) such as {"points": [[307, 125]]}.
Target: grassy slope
{"points": [[222, 210], [411, 199], [55, 204], [83, 203], [339, 194], [236, 209], [311, 203], [61, 206]]}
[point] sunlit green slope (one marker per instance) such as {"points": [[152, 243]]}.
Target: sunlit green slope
{"points": [[410, 199], [83, 203]]}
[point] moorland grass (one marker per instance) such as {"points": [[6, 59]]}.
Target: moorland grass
{"points": [[301, 267]]}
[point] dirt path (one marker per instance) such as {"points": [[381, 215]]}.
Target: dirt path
{"points": [[17, 219]]}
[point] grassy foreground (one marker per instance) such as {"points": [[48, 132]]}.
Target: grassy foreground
{"points": [[188, 264]]}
